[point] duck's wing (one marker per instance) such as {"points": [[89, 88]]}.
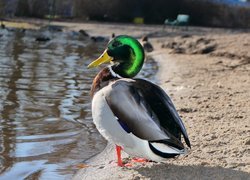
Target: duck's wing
{"points": [[145, 110]]}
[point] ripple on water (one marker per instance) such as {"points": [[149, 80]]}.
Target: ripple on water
{"points": [[44, 89]]}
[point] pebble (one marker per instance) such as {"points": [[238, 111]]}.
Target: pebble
{"points": [[204, 163], [247, 142]]}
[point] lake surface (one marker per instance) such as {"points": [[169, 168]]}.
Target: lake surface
{"points": [[46, 127]]}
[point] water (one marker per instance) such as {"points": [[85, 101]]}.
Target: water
{"points": [[45, 120]]}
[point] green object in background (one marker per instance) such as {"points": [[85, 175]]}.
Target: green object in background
{"points": [[138, 20]]}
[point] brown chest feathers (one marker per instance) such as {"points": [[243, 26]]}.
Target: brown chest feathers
{"points": [[101, 80]]}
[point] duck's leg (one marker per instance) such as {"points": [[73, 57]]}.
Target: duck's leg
{"points": [[129, 164], [119, 158]]}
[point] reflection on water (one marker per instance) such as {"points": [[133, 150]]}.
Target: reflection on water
{"points": [[45, 121]]}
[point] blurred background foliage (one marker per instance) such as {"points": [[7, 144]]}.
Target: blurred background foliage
{"points": [[222, 13]]}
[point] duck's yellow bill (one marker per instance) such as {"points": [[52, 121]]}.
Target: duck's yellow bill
{"points": [[104, 58]]}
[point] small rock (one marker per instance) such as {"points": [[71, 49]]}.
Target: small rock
{"points": [[238, 116], [219, 62], [187, 110], [179, 50], [83, 33], [204, 163], [247, 142], [136, 178], [208, 49], [42, 39], [213, 137], [195, 97], [186, 36]]}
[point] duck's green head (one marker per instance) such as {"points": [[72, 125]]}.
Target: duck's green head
{"points": [[126, 53]]}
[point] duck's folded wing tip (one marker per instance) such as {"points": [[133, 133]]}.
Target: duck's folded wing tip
{"points": [[167, 110], [165, 150]]}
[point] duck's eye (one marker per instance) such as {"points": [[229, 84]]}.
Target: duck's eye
{"points": [[116, 44]]}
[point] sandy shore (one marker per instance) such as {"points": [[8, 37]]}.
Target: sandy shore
{"points": [[206, 72]]}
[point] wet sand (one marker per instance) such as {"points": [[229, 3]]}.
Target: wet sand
{"points": [[206, 72]]}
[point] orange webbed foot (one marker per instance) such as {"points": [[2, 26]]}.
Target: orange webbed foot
{"points": [[140, 160]]}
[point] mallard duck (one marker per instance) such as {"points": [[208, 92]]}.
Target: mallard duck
{"points": [[135, 114]]}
